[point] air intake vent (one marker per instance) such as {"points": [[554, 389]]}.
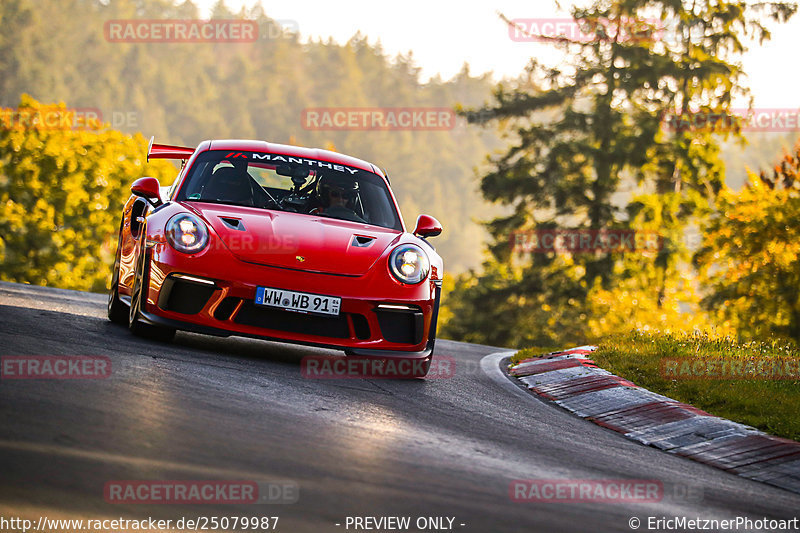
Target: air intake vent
{"points": [[362, 241], [403, 326], [360, 326], [226, 308], [233, 223], [183, 296]]}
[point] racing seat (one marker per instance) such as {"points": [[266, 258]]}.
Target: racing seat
{"points": [[229, 184]]}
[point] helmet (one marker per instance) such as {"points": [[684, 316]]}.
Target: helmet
{"points": [[343, 185]]}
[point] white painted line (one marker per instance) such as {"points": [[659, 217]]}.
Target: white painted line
{"points": [[490, 364]]}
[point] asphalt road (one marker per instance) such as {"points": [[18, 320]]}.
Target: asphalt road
{"points": [[205, 408]]}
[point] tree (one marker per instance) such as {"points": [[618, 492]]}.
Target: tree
{"points": [[62, 187], [750, 256], [581, 134], [699, 78]]}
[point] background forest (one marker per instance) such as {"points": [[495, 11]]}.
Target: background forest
{"points": [[581, 148]]}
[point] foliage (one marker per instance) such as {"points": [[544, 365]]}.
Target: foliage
{"points": [[61, 193], [750, 257], [590, 148], [507, 307]]}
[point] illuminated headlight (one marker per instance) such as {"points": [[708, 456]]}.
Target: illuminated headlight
{"points": [[186, 233], [409, 264]]}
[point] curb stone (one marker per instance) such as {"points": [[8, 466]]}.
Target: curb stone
{"points": [[574, 382]]}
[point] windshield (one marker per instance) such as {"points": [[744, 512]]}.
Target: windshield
{"points": [[284, 183]]}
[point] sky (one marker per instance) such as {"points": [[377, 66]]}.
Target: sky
{"points": [[444, 34]]}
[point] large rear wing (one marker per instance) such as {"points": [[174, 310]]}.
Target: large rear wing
{"points": [[166, 151]]}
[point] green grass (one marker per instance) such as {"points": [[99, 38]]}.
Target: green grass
{"points": [[767, 404]]}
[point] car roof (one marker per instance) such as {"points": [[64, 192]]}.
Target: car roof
{"points": [[289, 150]]}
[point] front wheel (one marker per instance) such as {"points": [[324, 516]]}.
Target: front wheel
{"points": [[117, 310], [138, 297]]}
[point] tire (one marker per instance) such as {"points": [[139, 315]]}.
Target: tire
{"points": [[117, 310], [138, 298]]}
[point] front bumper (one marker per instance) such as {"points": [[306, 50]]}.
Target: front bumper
{"points": [[379, 316]]}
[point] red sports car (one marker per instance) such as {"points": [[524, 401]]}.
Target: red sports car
{"points": [[280, 242]]}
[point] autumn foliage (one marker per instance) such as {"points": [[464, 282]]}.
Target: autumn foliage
{"points": [[751, 247], [61, 192]]}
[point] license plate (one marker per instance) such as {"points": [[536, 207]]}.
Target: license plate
{"points": [[298, 301]]}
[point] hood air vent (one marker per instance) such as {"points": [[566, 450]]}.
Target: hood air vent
{"points": [[233, 223], [361, 241]]}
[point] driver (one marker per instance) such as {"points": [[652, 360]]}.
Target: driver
{"points": [[336, 197]]}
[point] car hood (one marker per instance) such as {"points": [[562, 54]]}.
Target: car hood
{"points": [[292, 240]]}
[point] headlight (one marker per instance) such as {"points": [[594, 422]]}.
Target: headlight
{"points": [[409, 264], [186, 233]]}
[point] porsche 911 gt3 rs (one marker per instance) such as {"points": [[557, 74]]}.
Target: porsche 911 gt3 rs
{"points": [[280, 242]]}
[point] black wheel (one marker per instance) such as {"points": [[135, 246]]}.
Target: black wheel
{"points": [[117, 310], [138, 296]]}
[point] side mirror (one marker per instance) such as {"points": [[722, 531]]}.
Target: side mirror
{"points": [[149, 189], [427, 226]]}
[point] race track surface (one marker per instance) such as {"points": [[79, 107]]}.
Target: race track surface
{"points": [[206, 408]]}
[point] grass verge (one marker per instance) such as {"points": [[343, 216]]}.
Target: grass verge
{"points": [[695, 369]]}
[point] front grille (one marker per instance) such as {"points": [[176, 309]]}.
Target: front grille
{"points": [[184, 296], [264, 317]]}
